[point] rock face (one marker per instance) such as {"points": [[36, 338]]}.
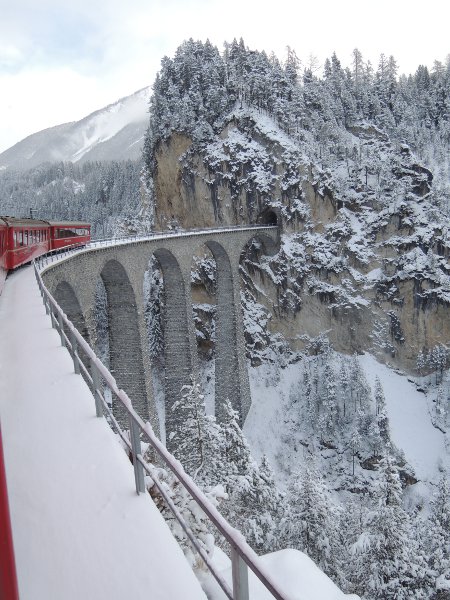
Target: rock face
{"points": [[363, 260]]}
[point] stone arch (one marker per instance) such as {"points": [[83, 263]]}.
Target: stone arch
{"points": [[227, 372], [177, 350], [269, 246], [67, 299], [125, 349]]}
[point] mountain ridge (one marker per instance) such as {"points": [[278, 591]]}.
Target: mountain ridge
{"points": [[115, 132]]}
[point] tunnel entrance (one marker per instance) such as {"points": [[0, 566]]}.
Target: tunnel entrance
{"points": [[268, 217]]}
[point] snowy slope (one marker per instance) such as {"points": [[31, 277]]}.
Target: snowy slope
{"points": [[410, 421], [297, 575], [112, 133], [410, 424]]}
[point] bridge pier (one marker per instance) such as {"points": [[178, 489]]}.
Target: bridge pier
{"points": [[125, 344], [177, 344], [229, 377]]}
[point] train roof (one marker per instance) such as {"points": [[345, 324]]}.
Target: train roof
{"points": [[23, 222], [68, 224]]}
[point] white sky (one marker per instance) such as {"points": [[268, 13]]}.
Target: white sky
{"points": [[61, 60]]}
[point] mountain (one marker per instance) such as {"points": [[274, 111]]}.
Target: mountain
{"points": [[354, 167], [115, 132]]}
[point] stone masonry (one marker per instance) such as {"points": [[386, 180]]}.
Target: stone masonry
{"points": [[121, 268]]}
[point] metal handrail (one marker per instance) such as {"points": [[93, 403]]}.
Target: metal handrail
{"points": [[242, 555]]}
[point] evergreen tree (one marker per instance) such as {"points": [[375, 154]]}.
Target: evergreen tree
{"points": [[439, 549], [387, 564], [197, 439], [311, 520], [254, 503]]}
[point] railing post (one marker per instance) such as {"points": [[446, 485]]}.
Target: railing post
{"points": [[53, 318], [240, 576], [135, 450], [96, 384], [61, 330], [75, 357]]}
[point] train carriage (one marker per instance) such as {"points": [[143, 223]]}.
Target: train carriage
{"points": [[25, 239], [22, 240], [68, 233]]}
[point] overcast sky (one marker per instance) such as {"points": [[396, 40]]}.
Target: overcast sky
{"points": [[60, 60]]}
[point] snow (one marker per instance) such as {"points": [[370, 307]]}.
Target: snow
{"points": [[105, 124], [410, 421], [412, 431], [111, 133], [79, 529], [296, 574]]}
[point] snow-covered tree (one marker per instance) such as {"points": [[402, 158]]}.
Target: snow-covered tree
{"points": [[386, 562], [311, 520], [197, 440]]}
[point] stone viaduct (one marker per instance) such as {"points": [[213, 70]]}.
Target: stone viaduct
{"points": [[121, 267]]}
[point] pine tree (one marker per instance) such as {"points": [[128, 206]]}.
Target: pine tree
{"points": [[343, 387], [437, 533], [329, 400], [420, 363], [386, 563], [311, 520], [198, 440], [253, 503]]}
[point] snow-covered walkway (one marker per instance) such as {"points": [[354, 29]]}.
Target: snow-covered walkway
{"points": [[79, 529]]}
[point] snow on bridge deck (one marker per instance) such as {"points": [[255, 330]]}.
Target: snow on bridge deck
{"points": [[79, 529]]}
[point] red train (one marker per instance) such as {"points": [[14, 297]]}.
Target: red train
{"points": [[21, 240]]}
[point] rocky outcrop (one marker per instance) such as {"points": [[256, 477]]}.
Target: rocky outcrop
{"points": [[363, 258]]}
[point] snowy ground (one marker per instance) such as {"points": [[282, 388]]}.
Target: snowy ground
{"points": [[79, 529], [410, 422]]}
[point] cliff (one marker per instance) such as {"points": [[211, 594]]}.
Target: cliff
{"points": [[364, 255]]}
